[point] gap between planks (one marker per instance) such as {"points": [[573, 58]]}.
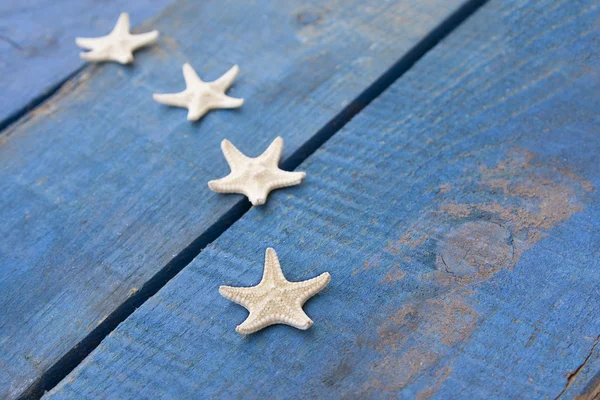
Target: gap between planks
{"points": [[40, 99], [573, 375], [37, 101], [79, 352]]}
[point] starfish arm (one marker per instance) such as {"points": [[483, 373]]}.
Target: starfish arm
{"points": [[296, 317], [90, 43], [228, 184], [257, 195], [100, 55], [225, 81], [270, 313], [255, 322], [227, 102], [235, 158], [281, 179], [240, 295], [180, 99], [240, 186], [93, 56], [122, 26], [306, 289], [122, 56], [143, 39], [234, 183], [272, 154], [197, 110], [190, 76], [272, 271]]}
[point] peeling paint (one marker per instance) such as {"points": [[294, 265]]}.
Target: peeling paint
{"points": [[475, 251], [473, 241], [394, 275], [537, 196]]}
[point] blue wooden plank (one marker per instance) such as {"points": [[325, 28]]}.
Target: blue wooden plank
{"points": [[37, 43], [458, 216], [583, 382], [102, 187]]}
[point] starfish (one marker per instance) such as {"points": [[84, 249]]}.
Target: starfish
{"points": [[275, 300], [254, 177], [118, 45], [200, 97]]}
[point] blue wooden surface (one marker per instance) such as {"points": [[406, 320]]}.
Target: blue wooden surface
{"points": [[583, 383], [459, 218], [37, 42], [101, 186]]}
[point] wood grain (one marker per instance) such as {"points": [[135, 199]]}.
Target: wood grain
{"points": [[458, 215], [37, 44], [102, 187], [583, 382]]}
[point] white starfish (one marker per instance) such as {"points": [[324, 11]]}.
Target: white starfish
{"points": [[200, 97], [118, 45], [254, 177], [275, 300]]}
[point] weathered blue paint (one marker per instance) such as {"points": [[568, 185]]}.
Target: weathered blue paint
{"points": [[37, 43], [458, 216], [583, 382], [101, 186]]}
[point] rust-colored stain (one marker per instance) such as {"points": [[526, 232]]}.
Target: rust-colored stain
{"points": [[535, 197], [396, 328], [458, 210], [368, 264], [450, 318], [475, 251], [398, 370], [444, 188], [412, 239], [407, 340], [472, 242], [394, 275], [440, 376], [592, 390]]}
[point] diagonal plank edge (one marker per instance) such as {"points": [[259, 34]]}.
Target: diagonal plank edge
{"points": [[71, 359], [42, 56], [458, 217], [69, 267]]}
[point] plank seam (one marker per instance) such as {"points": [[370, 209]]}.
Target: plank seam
{"points": [[37, 101], [68, 362], [573, 375], [55, 88]]}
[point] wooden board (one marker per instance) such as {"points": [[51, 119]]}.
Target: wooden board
{"points": [[583, 383], [104, 191], [458, 215], [37, 44]]}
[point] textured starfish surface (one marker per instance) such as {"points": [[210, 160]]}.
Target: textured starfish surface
{"points": [[255, 177], [200, 97], [275, 300], [118, 45]]}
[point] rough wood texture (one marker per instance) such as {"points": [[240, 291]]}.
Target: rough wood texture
{"points": [[459, 217], [101, 186], [37, 43], [583, 383]]}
